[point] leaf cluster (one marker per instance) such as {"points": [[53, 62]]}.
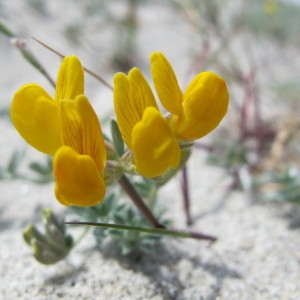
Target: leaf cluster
{"points": [[53, 243], [114, 210], [42, 170]]}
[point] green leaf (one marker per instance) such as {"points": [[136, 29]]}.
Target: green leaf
{"points": [[37, 167], [6, 31], [100, 234], [117, 138], [119, 218], [106, 207], [87, 213], [15, 161]]}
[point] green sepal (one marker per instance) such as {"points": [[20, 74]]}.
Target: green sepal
{"points": [[185, 154]]}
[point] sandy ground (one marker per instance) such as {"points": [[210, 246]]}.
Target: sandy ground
{"points": [[257, 253]]}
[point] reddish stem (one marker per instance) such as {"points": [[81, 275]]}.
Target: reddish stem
{"points": [[139, 203]]}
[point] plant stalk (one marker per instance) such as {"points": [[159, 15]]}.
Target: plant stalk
{"points": [[186, 196], [138, 201], [99, 78], [159, 231], [158, 228]]}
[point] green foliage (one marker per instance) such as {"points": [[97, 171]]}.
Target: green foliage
{"points": [[39, 5], [6, 31], [114, 210], [117, 138], [52, 245], [288, 90], [43, 171], [280, 186], [228, 155], [146, 188], [11, 168], [281, 22]]}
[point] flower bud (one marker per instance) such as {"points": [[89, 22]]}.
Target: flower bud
{"points": [[51, 246]]}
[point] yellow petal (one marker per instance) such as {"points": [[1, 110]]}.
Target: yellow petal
{"points": [[125, 113], [81, 129], [36, 118], [141, 92], [78, 181], [132, 94], [70, 79], [205, 102], [165, 83], [154, 146]]}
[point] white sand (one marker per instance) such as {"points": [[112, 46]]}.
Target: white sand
{"points": [[257, 253]]}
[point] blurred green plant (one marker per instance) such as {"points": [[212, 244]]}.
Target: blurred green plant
{"points": [[229, 155], [10, 170], [113, 220], [54, 244], [39, 6], [96, 16], [114, 211], [288, 90], [42, 171], [27, 53], [274, 18], [279, 186]]}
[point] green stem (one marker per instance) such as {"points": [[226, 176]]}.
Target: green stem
{"points": [[149, 230]]}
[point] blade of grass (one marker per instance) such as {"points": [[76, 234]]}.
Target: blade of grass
{"points": [[149, 230]]}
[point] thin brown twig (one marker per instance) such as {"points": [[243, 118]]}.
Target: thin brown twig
{"points": [[138, 202], [186, 195], [99, 78], [29, 56]]}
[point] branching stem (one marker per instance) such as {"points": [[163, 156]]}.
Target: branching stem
{"points": [[158, 228]]}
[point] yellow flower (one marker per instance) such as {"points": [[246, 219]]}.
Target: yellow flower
{"points": [[68, 128], [80, 162], [199, 109], [270, 7], [143, 128], [36, 115]]}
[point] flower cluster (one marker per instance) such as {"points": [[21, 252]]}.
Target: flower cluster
{"points": [[67, 128], [153, 138]]}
